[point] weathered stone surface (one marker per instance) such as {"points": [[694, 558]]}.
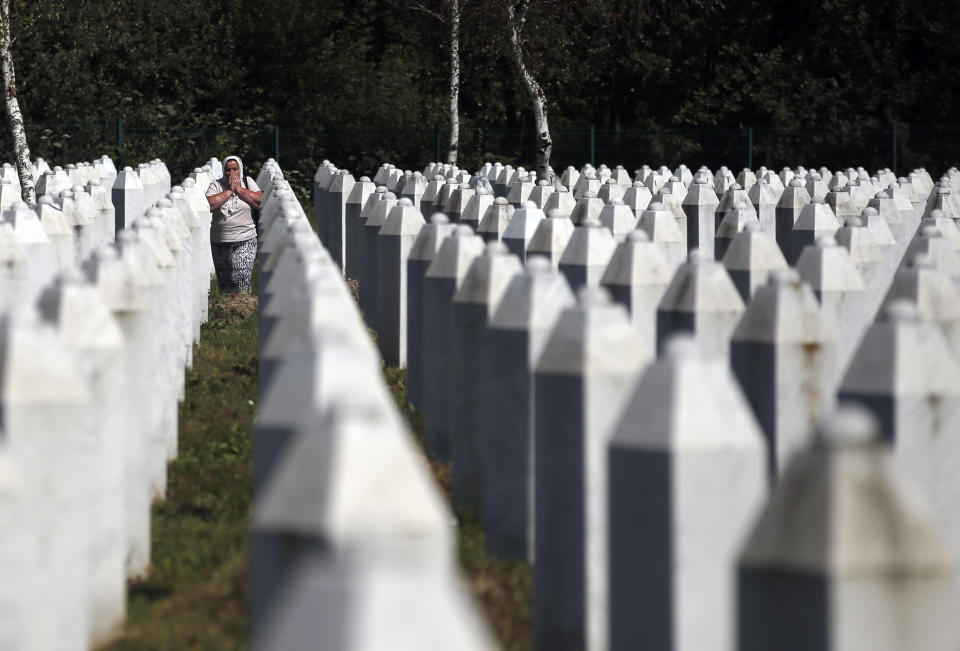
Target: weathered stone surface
{"points": [[817, 571], [700, 205], [816, 220], [587, 254], [783, 354], [443, 278], [662, 229], [735, 220], [700, 299], [424, 249], [636, 277], [474, 303], [582, 380], [495, 218], [517, 331], [686, 449], [523, 224], [752, 256], [395, 242]]}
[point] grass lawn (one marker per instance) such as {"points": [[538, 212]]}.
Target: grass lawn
{"points": [[195, 596]]}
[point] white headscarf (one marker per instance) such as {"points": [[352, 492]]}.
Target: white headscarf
{"points": [[233, 203]]}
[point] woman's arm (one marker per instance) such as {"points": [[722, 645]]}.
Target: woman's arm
{"points": [[216, 201], [251, 197]]}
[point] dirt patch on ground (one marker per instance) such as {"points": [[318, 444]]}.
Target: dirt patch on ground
{"points": [[234, 307]]}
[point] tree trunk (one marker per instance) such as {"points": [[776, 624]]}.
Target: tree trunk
{"points": [[21, 151], [454, 81], [537, 98]]}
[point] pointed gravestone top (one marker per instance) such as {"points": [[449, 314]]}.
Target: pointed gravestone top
{"points": [[404, 219], [859, 242], [827, 266], [700, 193], [79, 313], [590, 243], [637, 261], [701, 285], [660, 225], [25, 223], [115, 280], [784, 311], [928, 288], [35, 368], [11, 252], [753, 249], [946, 226], [902, 355], [534, 298], [488, 276], [838, 510], [764, 194], [817, 215], [930, 240], [679, 397], [593, 337], [430, 237], [879, 229], [456, 253], [357, 485]]}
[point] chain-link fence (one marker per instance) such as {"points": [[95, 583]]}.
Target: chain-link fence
{"points": [[900, 147]]}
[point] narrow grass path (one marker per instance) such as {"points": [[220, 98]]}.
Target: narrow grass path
{"points": [[195, 594]]}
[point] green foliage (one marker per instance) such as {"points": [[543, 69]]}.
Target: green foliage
{"points": [[363, 81]]}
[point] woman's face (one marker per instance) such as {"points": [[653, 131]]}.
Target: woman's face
{"points": [[231, 167]]}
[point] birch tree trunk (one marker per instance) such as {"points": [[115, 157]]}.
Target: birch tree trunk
{"points": [[15, 118], [538, 99], [454, 81]]}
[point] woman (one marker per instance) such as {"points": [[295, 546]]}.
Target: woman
{"points": [[233, 234]]}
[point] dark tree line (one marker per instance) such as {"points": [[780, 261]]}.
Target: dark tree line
{"points": [[383, 69]]}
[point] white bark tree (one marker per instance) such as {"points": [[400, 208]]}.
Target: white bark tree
{"points": [[454, 148], [21, 151], [516, 21], [453, 12]]}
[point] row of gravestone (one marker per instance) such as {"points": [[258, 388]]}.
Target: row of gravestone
{"points": [[103, 288], [527, 391], [352, 544]]}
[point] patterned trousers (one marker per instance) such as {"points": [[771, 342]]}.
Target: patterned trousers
{"points": [[233, 262]]}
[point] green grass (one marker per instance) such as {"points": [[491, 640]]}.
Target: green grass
{"points": [[194, 596]]}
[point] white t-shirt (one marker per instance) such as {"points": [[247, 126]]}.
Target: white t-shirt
{"points": [[234, 221]]}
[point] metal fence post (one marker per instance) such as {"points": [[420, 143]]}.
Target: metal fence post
{"points": [[276, 144], [593, 145], [750, 147], [894, 168]]}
